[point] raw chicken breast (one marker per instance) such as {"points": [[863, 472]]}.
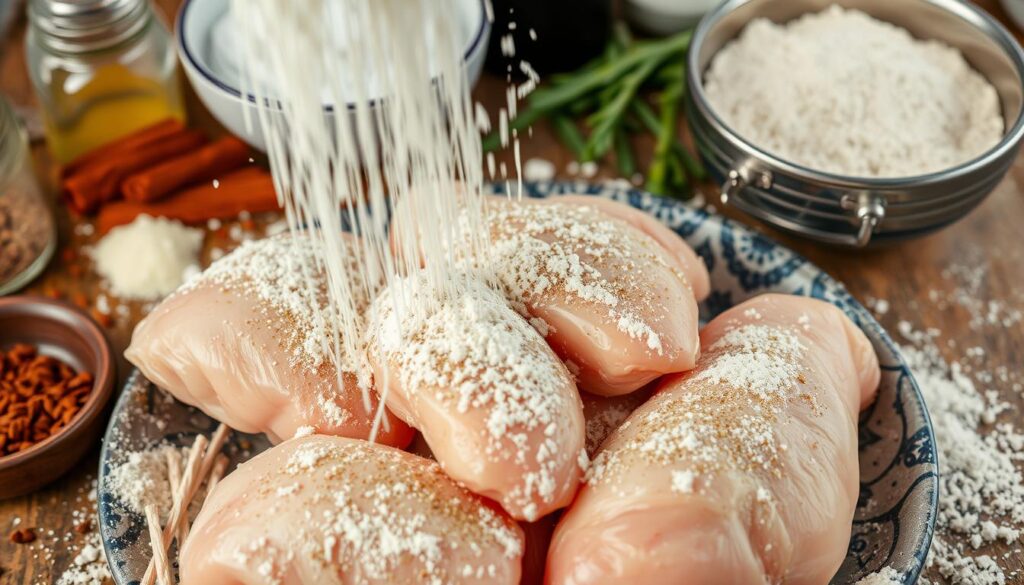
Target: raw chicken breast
{"points": [[246, 343], [497, 407], [609, 298], [686, 259], [741, 471], [322, 510]]}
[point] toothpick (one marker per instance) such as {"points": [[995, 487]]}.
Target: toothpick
{"points": [[200, 461], [174, 476], [216, 474], [159, 545]]}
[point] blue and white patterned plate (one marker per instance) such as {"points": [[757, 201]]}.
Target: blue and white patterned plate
{"points": [[895, 513]]}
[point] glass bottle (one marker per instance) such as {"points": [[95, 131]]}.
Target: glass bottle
{"points": [[28, 234], [101, 69]]}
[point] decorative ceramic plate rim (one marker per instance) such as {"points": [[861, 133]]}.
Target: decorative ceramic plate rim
{"points": [[895, 516]]}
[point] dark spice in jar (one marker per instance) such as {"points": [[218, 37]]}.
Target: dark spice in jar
{"points": [[26, 229]]}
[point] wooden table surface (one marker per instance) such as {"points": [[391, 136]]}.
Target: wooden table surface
{"points": [[944, 281]]}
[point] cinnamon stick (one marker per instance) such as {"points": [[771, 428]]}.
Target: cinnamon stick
{"points": [[209, 162], [248, 189], [129, 142], [100, 182]]}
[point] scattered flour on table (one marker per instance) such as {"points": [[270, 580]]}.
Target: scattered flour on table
{"points": [[81, 544], [981, 497], [148, 258], [842, 92]]}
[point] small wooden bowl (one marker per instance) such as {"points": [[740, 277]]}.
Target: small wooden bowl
{"points": [[64, 332]]}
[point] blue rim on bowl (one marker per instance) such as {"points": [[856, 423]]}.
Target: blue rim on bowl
{"points": [[898, 500], [189, 53]]}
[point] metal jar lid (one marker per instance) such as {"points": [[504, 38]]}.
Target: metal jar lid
{"points": [[81, 26], [853, 211]]}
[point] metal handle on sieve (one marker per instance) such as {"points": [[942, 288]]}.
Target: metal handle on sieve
{"points": [[869, 209]]}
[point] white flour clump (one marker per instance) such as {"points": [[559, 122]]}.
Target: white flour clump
{"points": [[887, 576], [841, 92], [142, 479], [148, 258]]}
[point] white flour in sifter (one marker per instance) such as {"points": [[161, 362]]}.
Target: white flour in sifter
{"points": [[841, 92]]}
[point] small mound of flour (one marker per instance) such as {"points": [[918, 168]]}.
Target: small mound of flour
{"points": [[841, 92], [148, 258]]}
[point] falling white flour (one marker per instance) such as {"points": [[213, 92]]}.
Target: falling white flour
{"points": [[148, 258], [416, 153], [841, 92]]}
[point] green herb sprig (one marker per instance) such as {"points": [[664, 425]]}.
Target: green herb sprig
{"points": [[611, 98]]}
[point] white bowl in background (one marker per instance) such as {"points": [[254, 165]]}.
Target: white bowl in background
{"points": [[666, 17], [196, 30]]}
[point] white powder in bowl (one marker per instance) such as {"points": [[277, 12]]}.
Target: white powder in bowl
{"points": [[841, 92], [148, 258]]}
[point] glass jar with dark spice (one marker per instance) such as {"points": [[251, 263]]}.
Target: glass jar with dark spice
{"points": [[28, 235]]}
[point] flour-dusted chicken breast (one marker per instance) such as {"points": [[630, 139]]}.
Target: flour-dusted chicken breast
{"points": [[322, 510], [608, 297], [741, 471], [686, 259], [497, 407], [248, 342]]}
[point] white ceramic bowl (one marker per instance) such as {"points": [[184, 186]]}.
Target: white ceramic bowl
{"points": [[666, 17], [198, 51]]}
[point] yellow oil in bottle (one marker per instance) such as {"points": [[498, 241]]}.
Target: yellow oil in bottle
{"points": [[113, 102]]}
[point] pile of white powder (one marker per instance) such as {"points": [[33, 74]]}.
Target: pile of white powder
{"points": [[148, 258], [841, 92]]}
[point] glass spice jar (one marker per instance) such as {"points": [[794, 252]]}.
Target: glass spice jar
{"points": [[101, 69], [28, 234]]}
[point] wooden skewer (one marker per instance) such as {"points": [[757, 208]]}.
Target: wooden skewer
{"points": [[219, 467], [195, 458], [174, 476], [200, 462], [159, 545]]}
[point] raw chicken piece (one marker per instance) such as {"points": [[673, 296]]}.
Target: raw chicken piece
{"points": [[686, 259], [497, 407], [322, 510], [244, 343], [741, 471], [609, 299]]}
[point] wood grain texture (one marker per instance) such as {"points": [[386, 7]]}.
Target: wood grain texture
{"points": [[939, 281]]}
